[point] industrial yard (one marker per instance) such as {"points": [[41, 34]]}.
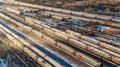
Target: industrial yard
{"points": [[59, 33]]}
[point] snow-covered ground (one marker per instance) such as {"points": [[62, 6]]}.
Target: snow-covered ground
{"points": [[9, 62], [3, 63]]}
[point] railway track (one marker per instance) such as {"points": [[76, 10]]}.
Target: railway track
{"points": [[93, 47], [35, 45], [83, 14], [15, 56], [87, 31], [59, 16], [78, 29], [45, 37]]}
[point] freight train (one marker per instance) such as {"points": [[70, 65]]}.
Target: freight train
{"points": [[89, 48], [68, 38], [70, 50], [89, 15], [60, 45], [15, 38]]}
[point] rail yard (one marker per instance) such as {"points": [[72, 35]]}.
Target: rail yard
{"points": [[42, 36]]}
